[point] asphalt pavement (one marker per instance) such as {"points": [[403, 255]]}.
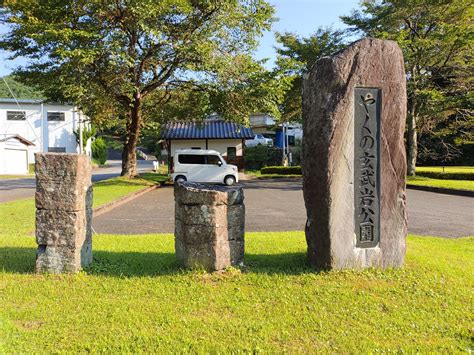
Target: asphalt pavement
{"points": [[15, 189], [273, 205]]}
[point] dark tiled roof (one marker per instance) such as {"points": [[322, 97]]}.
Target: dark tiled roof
{"points": [[215, 129]]}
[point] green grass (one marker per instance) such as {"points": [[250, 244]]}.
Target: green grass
{"points": [[110, 190], [448, 184], [135, 299], [446, 169], [16, 176], [259, 175]]}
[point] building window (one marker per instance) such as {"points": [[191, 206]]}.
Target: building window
{"points": [[16, 115], [56, 116], [231, 153], [57, 149]]}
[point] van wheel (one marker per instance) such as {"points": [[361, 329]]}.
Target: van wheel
{"points": [[180, 178], [229, 180]]}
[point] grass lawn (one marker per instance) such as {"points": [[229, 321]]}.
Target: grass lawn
{"points": [[135, 298], [109, 190], [446, 169], [448, 184], [259, 175], [16, 176]]}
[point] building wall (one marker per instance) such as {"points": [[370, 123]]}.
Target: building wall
{"points": [[219, 145], [37, 129]]}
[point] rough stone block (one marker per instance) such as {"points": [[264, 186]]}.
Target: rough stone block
{"points": [[64, 212], [60, 228], [354, 110], [57, 259], [209, 229]]}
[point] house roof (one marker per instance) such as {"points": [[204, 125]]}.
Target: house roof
{"points": [[212, 129], [18, 138]]}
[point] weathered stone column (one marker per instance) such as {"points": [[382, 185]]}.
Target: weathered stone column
{"points": [[209, 225], [354, 110], [63, 212]]}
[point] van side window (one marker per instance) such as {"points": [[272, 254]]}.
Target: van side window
{"points": [[191, 159], [213, 160]]}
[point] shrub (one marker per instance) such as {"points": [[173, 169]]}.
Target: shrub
{"points": [[447, 175], [99, 150], [260, 156], [281, 170]]}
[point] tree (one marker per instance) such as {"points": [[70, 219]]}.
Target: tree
{"points": [[20, 91], [296, 55], [436, 39], [109, 56]]}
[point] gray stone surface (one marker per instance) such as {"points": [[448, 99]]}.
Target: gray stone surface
{"points": [[209, 225], [63, 212], [328, 155]]}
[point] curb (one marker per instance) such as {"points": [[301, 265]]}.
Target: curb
{"points": [[111, 205], [442, 190]]}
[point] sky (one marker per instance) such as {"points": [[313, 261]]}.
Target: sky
{"points": [[301, 17]]}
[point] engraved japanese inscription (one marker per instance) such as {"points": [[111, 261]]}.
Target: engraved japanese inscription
{"points": [[367, 166]]}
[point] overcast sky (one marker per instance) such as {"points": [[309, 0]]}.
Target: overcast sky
{"points": [[302, 17]]}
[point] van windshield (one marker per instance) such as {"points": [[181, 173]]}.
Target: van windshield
{"points": [[213, 160]]}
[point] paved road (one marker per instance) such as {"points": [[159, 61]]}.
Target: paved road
{"points": [[279, 206], [15, 189]]}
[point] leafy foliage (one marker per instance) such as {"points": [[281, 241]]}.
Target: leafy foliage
{"points": [[436, 37], [99, 150], [20, 91], [110, 56], [296, 55], [259, 156], [281, 170]]}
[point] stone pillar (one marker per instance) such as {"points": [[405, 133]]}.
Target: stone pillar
{"points": [[354, 166], [209, 225], [63, 212]]}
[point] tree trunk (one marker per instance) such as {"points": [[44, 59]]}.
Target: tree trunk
{"points": [[129, 155], [412, 142]]}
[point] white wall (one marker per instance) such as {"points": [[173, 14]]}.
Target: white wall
{"points": [[219, 145], [54, 133]]}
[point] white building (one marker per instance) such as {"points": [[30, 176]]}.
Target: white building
{"points": [[35, 126]]}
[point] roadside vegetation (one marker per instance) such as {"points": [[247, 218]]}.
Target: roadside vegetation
{"points": [[135, 298], [447, 184]]}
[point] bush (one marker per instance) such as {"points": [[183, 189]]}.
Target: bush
{"points": [[260, 156], [447, 175], [99, 150], [281, 170]]}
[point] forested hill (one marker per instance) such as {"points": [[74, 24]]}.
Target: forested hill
{"points": [[20, 90]]}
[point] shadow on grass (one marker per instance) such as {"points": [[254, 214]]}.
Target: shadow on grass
{"points": [[120, 182], [136, 264]]}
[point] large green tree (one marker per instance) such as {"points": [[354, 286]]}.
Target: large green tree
{"points": [[436, 37], [109, 56], [295, 55]]}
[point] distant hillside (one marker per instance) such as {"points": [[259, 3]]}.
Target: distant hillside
{"points": [[20, 90]]}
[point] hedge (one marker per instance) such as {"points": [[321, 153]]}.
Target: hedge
{"points": [[99, 150], [281, 170], [447, 175]]}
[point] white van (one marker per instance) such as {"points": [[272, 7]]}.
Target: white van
{"points": [[206, 166]]}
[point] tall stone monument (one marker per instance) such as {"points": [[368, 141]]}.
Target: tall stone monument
{"points": [[63, 212], [354, 166], [209, 225]]}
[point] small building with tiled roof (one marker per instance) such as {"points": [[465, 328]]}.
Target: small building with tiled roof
{"points": [[228, 138]]}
